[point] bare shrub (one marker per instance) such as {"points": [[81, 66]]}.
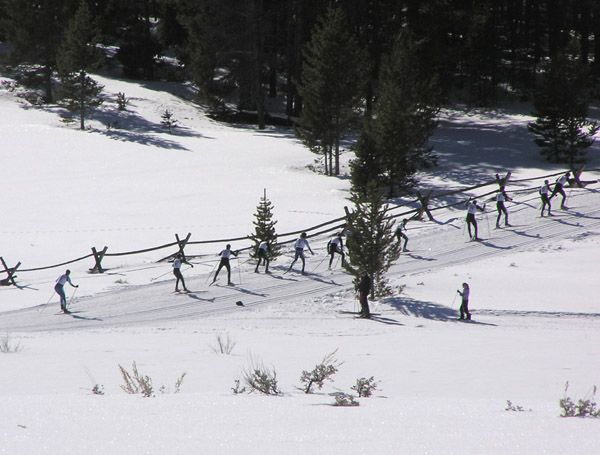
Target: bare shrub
{"points": [[237, 388], [514, 407], [345, 399], [178, 383], [98, 389], [258, 378], [365, 387], [9, 346], [585, 407], [224, 345], [320, 373], [135, 383]]}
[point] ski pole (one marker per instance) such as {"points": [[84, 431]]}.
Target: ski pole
{"points": [[41, 310], [211, 272], [336, 262], [159, 276], [239, 271], [318, 264], [71, 299]]}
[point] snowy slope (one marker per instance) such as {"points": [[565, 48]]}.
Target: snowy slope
{"points": [[443, 383]]}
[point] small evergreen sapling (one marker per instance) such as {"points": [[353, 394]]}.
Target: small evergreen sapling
{"points": [[122, 101], [264, 228], [168, 121]]}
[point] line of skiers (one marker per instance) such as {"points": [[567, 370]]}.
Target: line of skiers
{"points": [[335, 244], [545, 192]]}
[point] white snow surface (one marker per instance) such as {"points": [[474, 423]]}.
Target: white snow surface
{"points": [[443, 384]]}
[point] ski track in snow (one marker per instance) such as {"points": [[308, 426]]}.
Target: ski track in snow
{"points": [[155, 302]]}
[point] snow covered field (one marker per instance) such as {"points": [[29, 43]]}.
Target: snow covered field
{"points": [[443, 384]]}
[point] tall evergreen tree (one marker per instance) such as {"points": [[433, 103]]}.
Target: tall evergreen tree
{"points": [[371, 245], [138, 43], [405, 114], [333, 76], [35, 29], [264, 228], [367, 166], [562, 130], [77, 56]]}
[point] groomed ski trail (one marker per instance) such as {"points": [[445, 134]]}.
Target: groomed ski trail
{"points": [[155, 303]]}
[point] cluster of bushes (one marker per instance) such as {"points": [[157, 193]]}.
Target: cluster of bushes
{"points": [[258, 378]]}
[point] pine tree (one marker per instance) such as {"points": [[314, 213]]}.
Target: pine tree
{"points": [[562, 130], [405, 114], [168, 121], [372, 248], [367, 166], [333, 77], [35, 30], [78, 55], [264, 228]]}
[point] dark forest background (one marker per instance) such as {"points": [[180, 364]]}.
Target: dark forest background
{"points": [[478, 50]]}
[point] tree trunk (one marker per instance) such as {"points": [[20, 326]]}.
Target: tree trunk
{"points": [[48, 83], [257, 61], [82, 100], [365, 311], [337, 156]]}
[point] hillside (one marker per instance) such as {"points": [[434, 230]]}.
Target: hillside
{"points": [[443, 384]]}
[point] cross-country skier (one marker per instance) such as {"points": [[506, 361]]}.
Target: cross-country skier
{"points": [[59, 288], [177, 263], [472, 208], [262, 253], [544, 191], [225, 255], [336, 245], [364, 288], [559, 189], [400, 233], [299, 245], [464, 306], [501, 196]]}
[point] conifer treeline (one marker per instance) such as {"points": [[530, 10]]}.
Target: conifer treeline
{"points": [[476, 47]]}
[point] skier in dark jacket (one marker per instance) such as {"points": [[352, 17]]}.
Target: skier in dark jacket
{"points": [[364, 288], [262, 253], [472, 208], [225, 255], [464, 306], [400, 233], [177, 263], [336, 245], [59, 288]]}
